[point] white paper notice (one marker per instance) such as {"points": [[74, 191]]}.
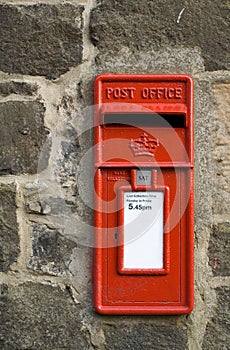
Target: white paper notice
{"points": [[143, 230]]}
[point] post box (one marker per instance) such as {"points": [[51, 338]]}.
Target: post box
{"points": [[143, 194]]}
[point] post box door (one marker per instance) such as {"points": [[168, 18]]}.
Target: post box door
{"points": [[145, 290]]}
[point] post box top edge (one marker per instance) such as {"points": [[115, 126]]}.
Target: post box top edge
{"points": [[106, 77]]}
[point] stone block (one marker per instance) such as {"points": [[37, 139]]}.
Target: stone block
{"points": [[152, 25], [164, 60], [51, 251], [37, 317], [9, 238], [219, 249], [22, 137], [47, 205], [40, 39], [203, 144], [18, 88], [145, 336], [217, 334], [221, 152]]}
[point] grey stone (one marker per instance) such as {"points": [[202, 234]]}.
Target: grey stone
{"points": [[18, 88], [47, 205], [51, 251], [40, 39], [9, 239], [70, 151], [221, 190], [219, 249], [165, 60], [37, 317], [217, 336], [153, 25], [203, 146], [32, 188], [148, 337], [81, 267], [23, 137], [68, 154], [74, 169]]}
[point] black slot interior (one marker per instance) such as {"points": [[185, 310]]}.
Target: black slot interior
{"points": [[145, 119]]}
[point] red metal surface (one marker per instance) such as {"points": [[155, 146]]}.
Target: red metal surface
{"points": [[165, 149]]}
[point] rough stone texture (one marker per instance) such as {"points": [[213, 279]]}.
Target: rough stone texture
{"points": [[147, 24], [22, 137], [203, 141], [161, 61], [219, 249], [69, 156], [81, 267], [67, 147], [40, 39], [56, 222], [73, 169], [217, 334], [51, 251], [48, 205], [221, 192], [18, 88], [203, 171], [37, 317], [148, 337], [9, 239]]}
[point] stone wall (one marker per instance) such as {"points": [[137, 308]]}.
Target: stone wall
{"points": [[50, 53]]}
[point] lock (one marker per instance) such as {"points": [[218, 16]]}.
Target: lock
{"points": [[143, 255]]}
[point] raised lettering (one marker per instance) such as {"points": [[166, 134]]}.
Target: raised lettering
{"points": [[159, 92], [171, 93], [165, 93], [117, 178], [131, 90], [178, 93], [108, 92], [152, 93], [116, 92], [124, 93], [145, 92], [119, 172]]}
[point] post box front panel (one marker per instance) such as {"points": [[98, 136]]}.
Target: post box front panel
{"points": [[137, 291], [144, 195]]}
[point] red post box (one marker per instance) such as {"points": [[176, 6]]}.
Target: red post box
{"points": [[143, 194]]}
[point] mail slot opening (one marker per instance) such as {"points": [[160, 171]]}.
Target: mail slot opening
{"points": [[145, 119]]}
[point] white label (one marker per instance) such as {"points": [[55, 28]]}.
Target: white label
{"points": [[143, 230]]}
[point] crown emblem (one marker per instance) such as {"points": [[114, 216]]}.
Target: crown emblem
{"points": [[144, 146]]}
